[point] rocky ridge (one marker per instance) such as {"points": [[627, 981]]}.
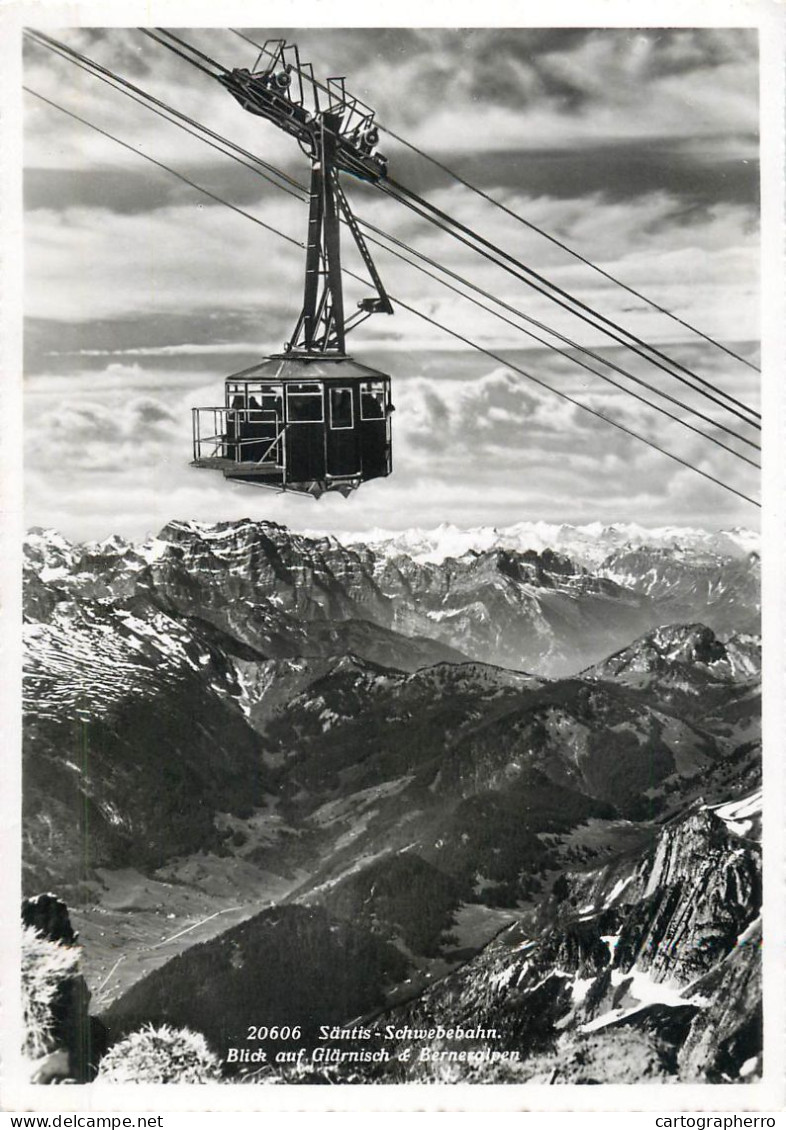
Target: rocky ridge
{"points": [[236, 707], [668, 956], [285, 594]]}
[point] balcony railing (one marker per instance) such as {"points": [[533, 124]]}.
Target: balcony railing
{"points": [[253, 437]]}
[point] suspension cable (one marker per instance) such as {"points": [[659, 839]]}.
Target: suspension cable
{"points": [[530, 376], [573, 345], [658, 357], [519, 270], [570, 250], [595, 412], [91, 65], [170, 114], [146, 31], [167, 168], [522, 220], [564, 353], [86, 64]]}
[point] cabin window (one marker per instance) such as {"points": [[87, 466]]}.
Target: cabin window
{"points": [[372, 400], [341, 417], [271, 399], [304, 404]]}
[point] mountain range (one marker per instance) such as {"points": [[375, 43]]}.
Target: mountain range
{"points": [[416, 781]]}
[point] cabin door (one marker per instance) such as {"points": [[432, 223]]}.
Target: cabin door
{"points": [[263, 427], [341, 437]]}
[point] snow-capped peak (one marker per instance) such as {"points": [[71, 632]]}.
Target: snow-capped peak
{"points": [[587, 545]]}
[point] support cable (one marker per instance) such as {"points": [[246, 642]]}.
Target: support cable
{"points": [[164, 43], [575, 360], [170, 114], [570, 250], [527, 223], [86, 64], [518, 270], [593, 411], [166, 168], [567, 341], [639, 346], [74, 56], [474, 345]]}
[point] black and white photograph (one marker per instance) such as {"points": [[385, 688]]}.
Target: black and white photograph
{"points": [[394, 417]]}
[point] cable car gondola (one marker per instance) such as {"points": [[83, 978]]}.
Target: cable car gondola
{"points": [[310, 419]]}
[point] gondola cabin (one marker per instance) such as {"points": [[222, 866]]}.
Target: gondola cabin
{"points": [[310, 419], [301, 424]]}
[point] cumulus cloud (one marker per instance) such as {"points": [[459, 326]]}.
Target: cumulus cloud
{"points": [[705, 270], [486, 88], [535, 87], [101, 437], [111, 453]]}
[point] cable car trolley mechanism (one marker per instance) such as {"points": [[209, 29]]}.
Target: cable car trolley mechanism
{"points": [[310, 419]]}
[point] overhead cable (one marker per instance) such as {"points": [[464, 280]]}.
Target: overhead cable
{"points": [[169, 113], [563, 298], [482, 246], [530, 376], [104, 74], [166, 168], [527, 223]]}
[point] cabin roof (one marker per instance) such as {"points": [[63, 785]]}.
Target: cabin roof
{"points": [[306, 368]]}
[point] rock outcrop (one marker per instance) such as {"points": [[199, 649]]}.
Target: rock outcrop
{"points": [[62, 1043]]}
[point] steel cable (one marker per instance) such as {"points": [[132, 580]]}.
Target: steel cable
{"points": [[103, 74], [432, 321], [635, 344], [527, 223]]}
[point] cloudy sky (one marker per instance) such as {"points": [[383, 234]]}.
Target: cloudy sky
{"points": [[637, 148]]}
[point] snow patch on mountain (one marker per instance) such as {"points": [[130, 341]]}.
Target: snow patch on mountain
{"points": [[641, 990], [587, 545], [742, 816]]}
